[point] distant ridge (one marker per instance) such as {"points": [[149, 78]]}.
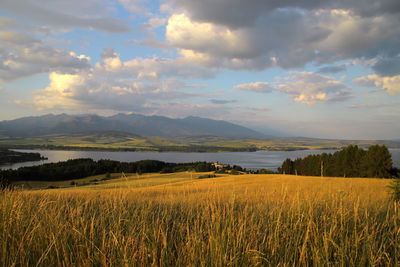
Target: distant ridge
{"points": [[125, 123]]}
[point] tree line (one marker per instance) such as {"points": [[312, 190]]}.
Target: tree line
{"points": [[351, 161], [80, 168], [9, 156]]}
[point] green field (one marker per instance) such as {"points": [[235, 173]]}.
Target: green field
{"points": [[179, 220], [121, 141]]}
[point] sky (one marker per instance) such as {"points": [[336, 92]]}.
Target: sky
{"points": [[325, 69]]}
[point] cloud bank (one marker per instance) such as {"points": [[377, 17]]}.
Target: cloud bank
{"points": [[289, 34]]}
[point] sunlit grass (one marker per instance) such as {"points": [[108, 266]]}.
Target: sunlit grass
{"points": [[246, 220]]}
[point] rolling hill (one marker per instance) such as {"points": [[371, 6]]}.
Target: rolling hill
{"points": [[133, 124], [137, 132]]}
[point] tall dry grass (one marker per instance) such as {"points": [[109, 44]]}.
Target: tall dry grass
{"points": [[255, 220]]}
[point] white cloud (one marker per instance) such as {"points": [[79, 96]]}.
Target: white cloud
{"points": [[313, 88], [287, 34], [60, 92], [390, 85], [244, 14], [92, 90], [113, 84], [304, 87], [152, 68], [22, 54], [182, 32], [351, 34], [258, 87], [34, 58]]}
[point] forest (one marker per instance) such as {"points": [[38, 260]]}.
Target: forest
{"points": [[10, 156], [351, 161], [80, 168]]}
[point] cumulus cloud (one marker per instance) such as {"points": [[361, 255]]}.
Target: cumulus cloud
{"points": [[92, 90], [287, 34], [257, 87], [183, 32], [151, 68], [312, 88], [88, 14], [113, 84], [304, 87], [245, 48], [22, 55], [243, 14], [390, 85]]}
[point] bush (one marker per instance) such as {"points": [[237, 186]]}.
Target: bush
{"points": [[52, 187], [206, 176]]}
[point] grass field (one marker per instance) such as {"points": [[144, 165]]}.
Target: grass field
{"points": [[140, 143], [178, 220]]}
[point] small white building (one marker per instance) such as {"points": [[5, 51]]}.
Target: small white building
{"points": [[219, 166]]}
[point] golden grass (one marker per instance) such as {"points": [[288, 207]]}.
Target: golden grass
{"points": [[247, 220], [118, 180]]}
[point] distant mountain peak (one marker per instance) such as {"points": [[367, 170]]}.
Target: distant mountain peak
{"points": [[137, 124]]}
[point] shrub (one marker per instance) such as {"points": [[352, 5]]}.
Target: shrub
{"points": [[52, 187], [207, 176]]}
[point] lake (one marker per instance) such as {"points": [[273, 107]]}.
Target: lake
{"points": [[250, 160]]}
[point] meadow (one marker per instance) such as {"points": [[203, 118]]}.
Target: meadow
{"points": [[180, 220], [122, 141]]}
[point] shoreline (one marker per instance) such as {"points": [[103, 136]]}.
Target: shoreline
{"points": [[186, 149]]}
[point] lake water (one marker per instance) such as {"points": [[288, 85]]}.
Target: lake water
{"points": [[250, 160]]}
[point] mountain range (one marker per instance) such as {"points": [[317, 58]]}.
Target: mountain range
{"points": [[127, 123]]}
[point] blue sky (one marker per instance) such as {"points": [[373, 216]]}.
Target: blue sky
{"points": [[328, 69]]}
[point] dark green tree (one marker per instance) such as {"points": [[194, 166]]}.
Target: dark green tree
{"points": [[351, 161], [287, 167], [377, 162]]}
